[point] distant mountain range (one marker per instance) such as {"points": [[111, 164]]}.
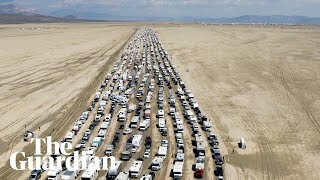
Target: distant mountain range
{"points": [[11, 14], [258, 19], [12, 9]]}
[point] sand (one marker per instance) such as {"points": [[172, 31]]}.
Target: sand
{"points": [[48, 76], [259, 83]]}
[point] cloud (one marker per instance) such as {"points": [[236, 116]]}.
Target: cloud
{"points": [[178, 8], [5, 1]]}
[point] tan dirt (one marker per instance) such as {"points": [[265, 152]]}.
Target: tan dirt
{"points": [[44, 72], [259, 83]]}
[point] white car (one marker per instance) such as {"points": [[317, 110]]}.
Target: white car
{"points": [[146, 155], [127, 131], [107, 117]]}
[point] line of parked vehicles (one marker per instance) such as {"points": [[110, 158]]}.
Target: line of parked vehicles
{"points": [[129, 89]]}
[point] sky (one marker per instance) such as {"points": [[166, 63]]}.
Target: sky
{"points": [[172, 8]]}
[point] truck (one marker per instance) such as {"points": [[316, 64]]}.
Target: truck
{"points": [[200, 161], [135, 169], [127, 153], [156, 163], [178, 170], [114, 171], [136, 142], [144, 125]]}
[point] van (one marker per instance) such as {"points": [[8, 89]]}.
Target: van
{"points": [[156, 163], [54, 174], [160, 114], [69, 137], [134, 122], [114, 171], [144, 125]]}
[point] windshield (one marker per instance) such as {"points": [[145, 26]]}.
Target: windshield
{"points": [[33, 176]]}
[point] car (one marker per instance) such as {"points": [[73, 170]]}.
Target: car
{"points": [[165, 143], [86, 137], [35, 174], [127, 131], [153, 174], [146, 154], [121, 126], [83, 142]]}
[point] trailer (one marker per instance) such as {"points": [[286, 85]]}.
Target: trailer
{"points": [[242, 143], [177, 170], [162, 151], [136, 142], [135, 169]]}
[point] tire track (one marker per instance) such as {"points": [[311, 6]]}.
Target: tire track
{"points": [[79, 105], [305, 107]]}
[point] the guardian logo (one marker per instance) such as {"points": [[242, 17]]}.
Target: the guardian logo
{"points": [[54, 159]]}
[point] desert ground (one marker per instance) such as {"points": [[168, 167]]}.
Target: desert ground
{"points": [[257, 83], [49, 72]]}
